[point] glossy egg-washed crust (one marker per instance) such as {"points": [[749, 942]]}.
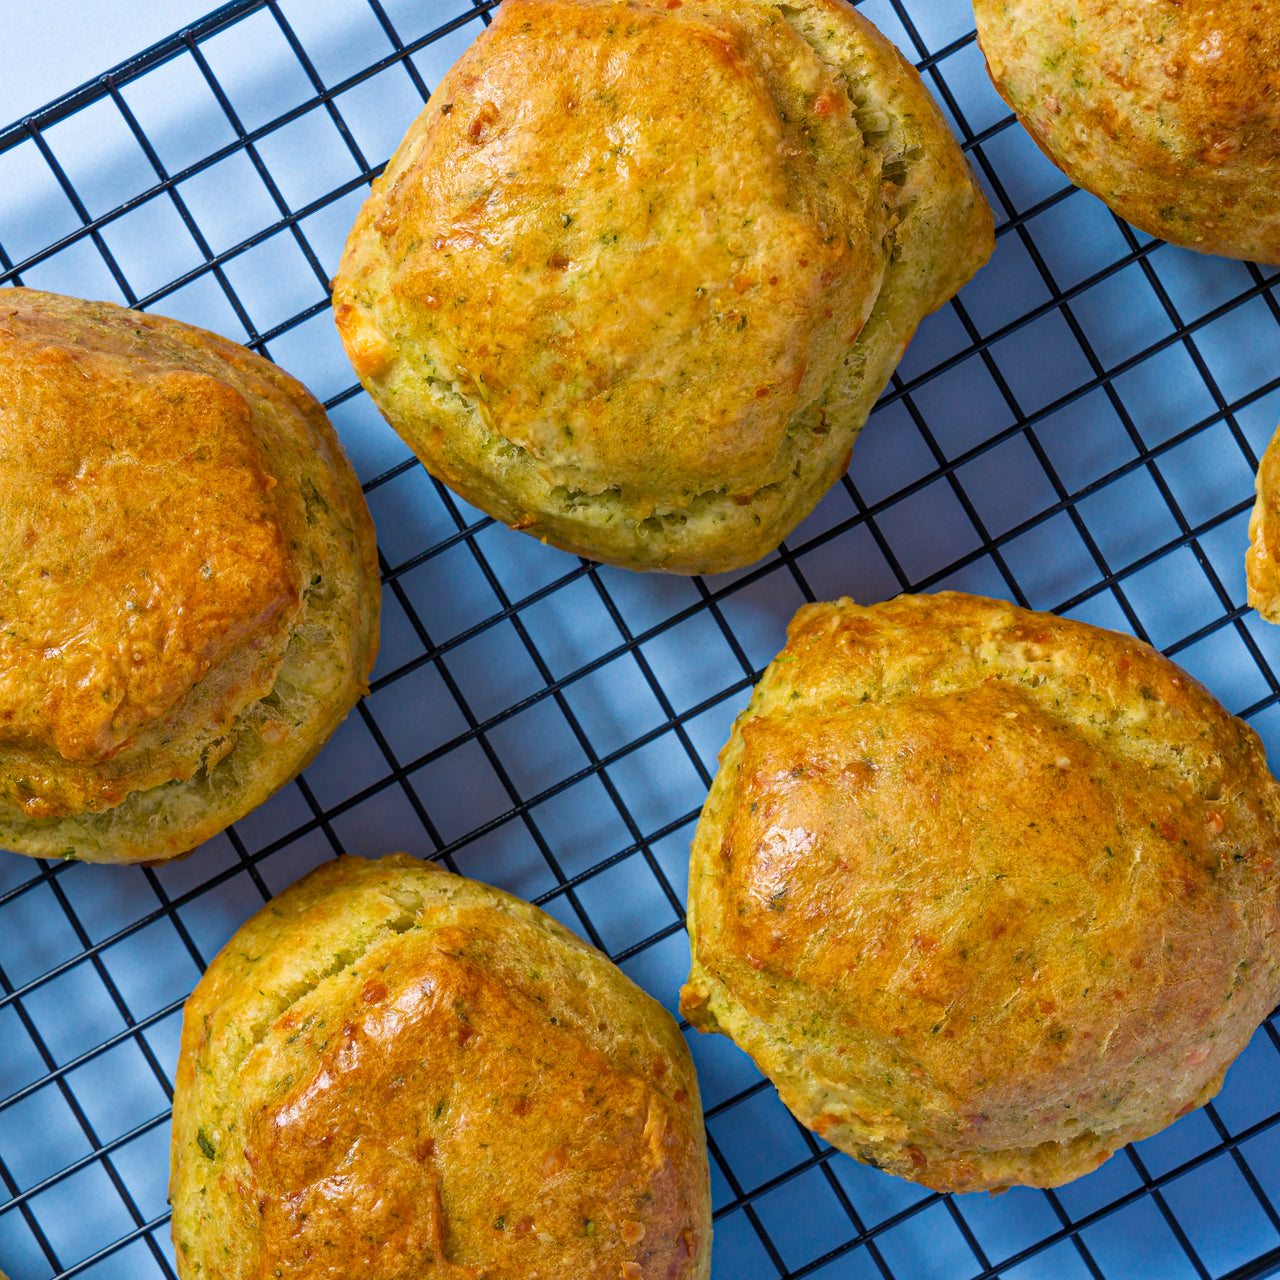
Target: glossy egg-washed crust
{"points": [[188, 580], [1169, 111], [392, 1071], [637, 274], [1262, 560], [987, 893]]}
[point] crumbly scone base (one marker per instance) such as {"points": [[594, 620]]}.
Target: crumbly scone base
{"points": [[708, 495], [392, 1070], [986, 893]]}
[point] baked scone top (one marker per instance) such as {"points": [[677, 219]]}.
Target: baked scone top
{"points": [[987, 892], [156, 545], [636, 275], [394, 1071], [560, 238], [142, 542], [1168, 111]]}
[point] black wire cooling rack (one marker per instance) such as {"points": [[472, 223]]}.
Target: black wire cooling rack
{"points": [[1077, 432]]}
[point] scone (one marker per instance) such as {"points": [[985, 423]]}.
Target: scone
{"points": [[1167, 111], [188, 581], [986, 893], [392, 1071], [636, 276], [1262, 560]]}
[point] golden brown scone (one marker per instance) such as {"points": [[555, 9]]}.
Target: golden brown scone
{"points": [[1168, 111], [636, 276], [188, 581], [987, 893], [392, 1071], [1262, 569]]}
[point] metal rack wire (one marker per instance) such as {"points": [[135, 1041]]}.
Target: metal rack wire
{"points": [[1077, 432]]}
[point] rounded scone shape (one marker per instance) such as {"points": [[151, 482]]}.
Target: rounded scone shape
{"points": [[986, 893], [1169, 112], [1262, 560], [188, 581], [637, 274], [393, 1071]]}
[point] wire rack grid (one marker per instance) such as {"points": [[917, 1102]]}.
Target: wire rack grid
{"points": [[1077, 432]]}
